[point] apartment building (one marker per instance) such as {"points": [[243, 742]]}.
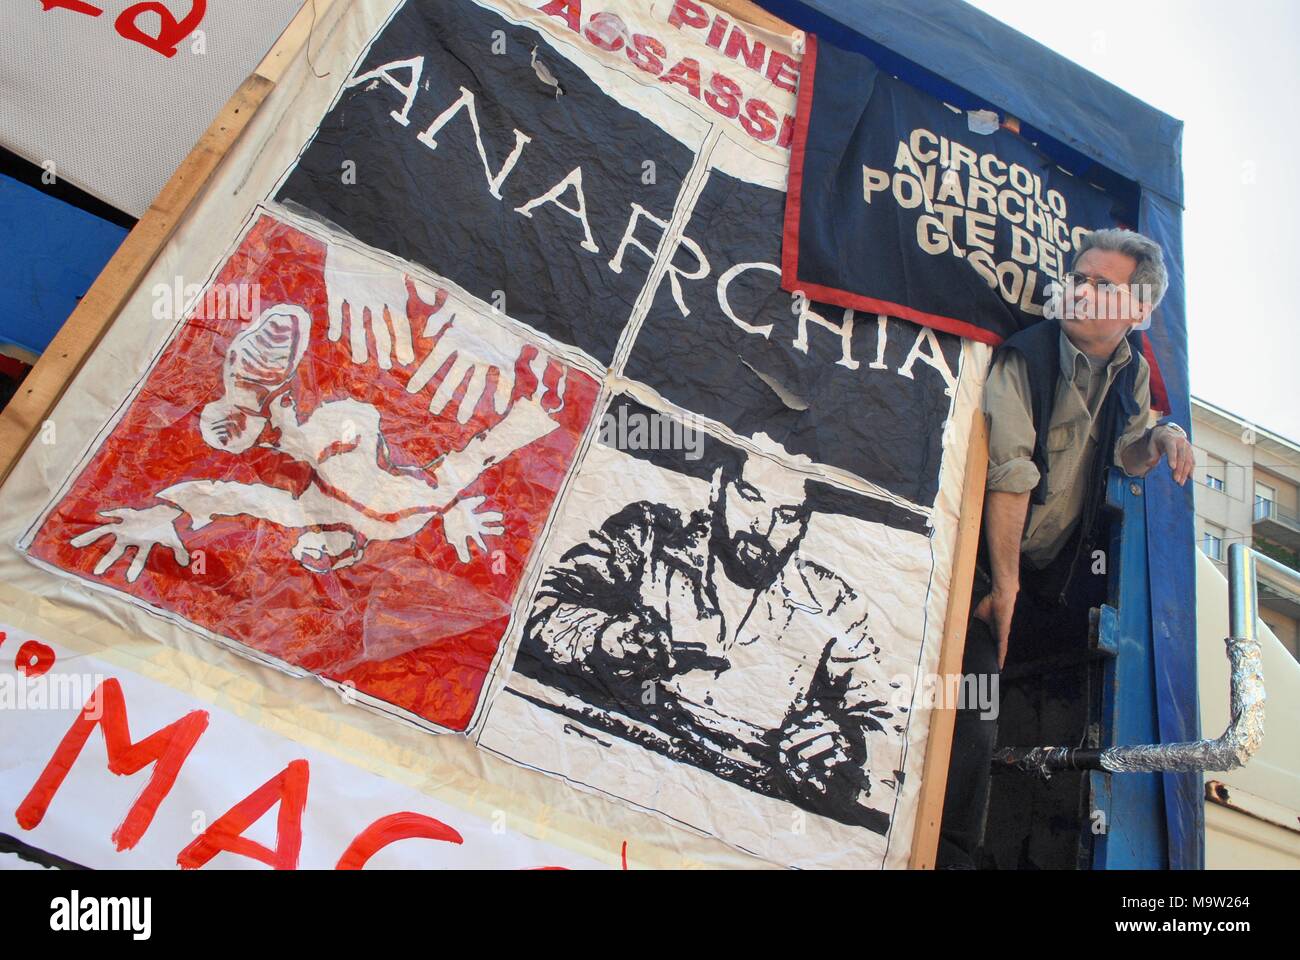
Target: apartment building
{"points": [[1247, 482]]}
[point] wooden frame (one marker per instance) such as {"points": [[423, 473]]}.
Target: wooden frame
{"points": [[938, 749], [751, 13]]}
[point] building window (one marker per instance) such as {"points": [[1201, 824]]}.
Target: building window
{"points": [[1212, 542], [1265, 498], [1215, 470]]}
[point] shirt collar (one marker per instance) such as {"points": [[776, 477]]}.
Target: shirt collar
{"points": [[1071, 356]]}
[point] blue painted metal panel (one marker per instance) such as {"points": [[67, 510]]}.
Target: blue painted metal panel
{"points": [[52, 254], [1135, 836]]}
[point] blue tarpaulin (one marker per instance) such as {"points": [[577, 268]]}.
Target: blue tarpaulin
{"points": [[53, 252], [969, 59]]}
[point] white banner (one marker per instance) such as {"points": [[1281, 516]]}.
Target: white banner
{"points": [[111, 95], [108, 769]]}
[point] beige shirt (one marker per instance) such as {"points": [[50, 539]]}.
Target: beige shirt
{"points": [[1071, 438]]}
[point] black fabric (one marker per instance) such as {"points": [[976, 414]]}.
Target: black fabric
{"points": [[903, 204], [712, 453], [861, 413], [974, 737], [433, 206], [1037, 621], [1040, 346]]}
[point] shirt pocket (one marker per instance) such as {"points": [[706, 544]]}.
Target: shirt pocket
{"points": [[1063, 452], [1061, 437]]}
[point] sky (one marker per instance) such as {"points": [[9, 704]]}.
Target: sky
{"points": [[1233, 80]]}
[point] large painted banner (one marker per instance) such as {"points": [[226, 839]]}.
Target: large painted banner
{"points": [[496, 415], [900, 203]]}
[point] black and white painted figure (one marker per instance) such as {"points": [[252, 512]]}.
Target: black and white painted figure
{"points": [[703, 634]]}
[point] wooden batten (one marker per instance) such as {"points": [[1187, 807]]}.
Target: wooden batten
{"points": [[934, 776]]}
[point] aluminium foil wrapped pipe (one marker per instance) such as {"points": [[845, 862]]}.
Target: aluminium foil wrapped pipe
{"points": [[1245, 733]]}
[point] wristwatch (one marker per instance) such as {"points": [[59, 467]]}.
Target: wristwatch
{"points": [[1175, 428]]}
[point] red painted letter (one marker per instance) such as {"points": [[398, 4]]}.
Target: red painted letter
{"points": [[686, 72], [287, 788], [390, 829], [167, 749], [170, 32], [783, 71], [34, 659], [691, 14], [76, 6], [570, 11]]}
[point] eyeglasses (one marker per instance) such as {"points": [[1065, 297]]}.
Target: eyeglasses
{"points": [[1101, 284]]}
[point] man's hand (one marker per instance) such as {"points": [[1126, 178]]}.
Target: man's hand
{"points": [[814, 750], [997, 610], [140, 529], [364, 294], [1174, 447], [1141, 456], [464, 524]]}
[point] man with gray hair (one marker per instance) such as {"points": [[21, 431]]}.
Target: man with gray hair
{"points": [[1064, 400]]}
